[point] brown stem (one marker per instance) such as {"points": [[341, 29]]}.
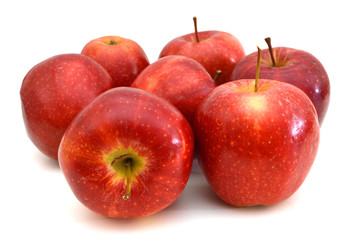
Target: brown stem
{"points": [[127, 163], [257, 70], [195, 29], [268, 41], [217, 75], [112, 42]]}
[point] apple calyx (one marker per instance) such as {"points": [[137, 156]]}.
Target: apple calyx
{"points": [[217, 75], [268, 41], [195, 29], [257, 70], [112, 42], [126, 164]]}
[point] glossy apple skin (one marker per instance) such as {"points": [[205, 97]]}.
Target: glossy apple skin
{"points": [[54, 91], [216, 50], [256, 148], [181, 80], [299, 68], [129, 118], [123, 61]]}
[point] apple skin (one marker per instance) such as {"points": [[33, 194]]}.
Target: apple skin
{"points": [[216, 50], [256, 148], [54, 91], [143, 123], [294, 66], [123, 60], [181, 80]]}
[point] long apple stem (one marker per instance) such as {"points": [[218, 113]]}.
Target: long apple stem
{"points": [[195, 29], [268, 41], [217, 75], [257, 70], [127, 163]]}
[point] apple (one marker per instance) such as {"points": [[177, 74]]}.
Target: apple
{"points": [[181, 80], [128, 154], [215, 50], [123, 58], [292, 66], [54, 91], [257, 140]]}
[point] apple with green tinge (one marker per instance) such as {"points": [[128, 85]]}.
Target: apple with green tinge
{"points": [[215, 50], [257, 140], [128, 154], [181, 80], [292, 66], [123, 58], [54, 91]]}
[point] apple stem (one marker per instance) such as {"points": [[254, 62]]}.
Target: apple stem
{"points": [[217, 75], [257, 70], [112, 42], [268, 41], [127, 163], [195, 29]]}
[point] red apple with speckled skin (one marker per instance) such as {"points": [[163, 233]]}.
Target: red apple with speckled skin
{"points": [[128, 154], [123, 58], [215, 50], [256, 148], [54, 91], [292, 66], [181, 80]]}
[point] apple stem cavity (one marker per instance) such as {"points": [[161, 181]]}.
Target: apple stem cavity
{"points": [[217, 75], [128, 166], [268, 41], [112, 42], [257, 70], [195, 29]]}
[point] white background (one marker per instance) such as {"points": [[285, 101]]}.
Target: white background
{"points": [[36, 202]]}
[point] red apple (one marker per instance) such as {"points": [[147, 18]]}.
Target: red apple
{"points": [[54, 91], [128, 154], [215, 50], [256, 148], [181, 80], [123, 58], [292, 66]]}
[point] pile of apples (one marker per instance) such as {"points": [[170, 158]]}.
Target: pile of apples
{"points": [[125, 131]]}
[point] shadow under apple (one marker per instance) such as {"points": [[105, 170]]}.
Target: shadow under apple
{"points": [[197, 199], [45, 162]]}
